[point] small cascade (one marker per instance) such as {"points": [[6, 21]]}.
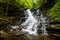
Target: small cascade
{"points": [[43, 23], [31, 23], [30, 26]]}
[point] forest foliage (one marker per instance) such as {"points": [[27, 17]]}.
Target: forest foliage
{"points": [[54, 12], [35, 4]]}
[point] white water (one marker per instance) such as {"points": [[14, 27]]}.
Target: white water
{"points": [[31, 23], [43, 23]]}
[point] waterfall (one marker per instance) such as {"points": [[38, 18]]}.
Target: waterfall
{"points": [[43, 23], [31, 23]]}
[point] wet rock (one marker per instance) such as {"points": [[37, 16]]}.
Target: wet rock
{"points": [[54, 26], [3, 34]]}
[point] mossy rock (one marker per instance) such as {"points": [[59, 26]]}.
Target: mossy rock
{"points": [[4, 21]]}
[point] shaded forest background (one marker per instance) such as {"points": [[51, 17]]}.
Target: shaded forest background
{"points": [[12, 11]]}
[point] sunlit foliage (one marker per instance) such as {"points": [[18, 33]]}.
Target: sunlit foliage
{"points": [[37, 4], [30, 3], [25, 4]]}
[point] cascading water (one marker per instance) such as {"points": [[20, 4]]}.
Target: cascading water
{"points": [[43, 23], [31, 23], [30, 26]]}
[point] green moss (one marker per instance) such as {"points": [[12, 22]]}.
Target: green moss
{"points": [[55, 11]]}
